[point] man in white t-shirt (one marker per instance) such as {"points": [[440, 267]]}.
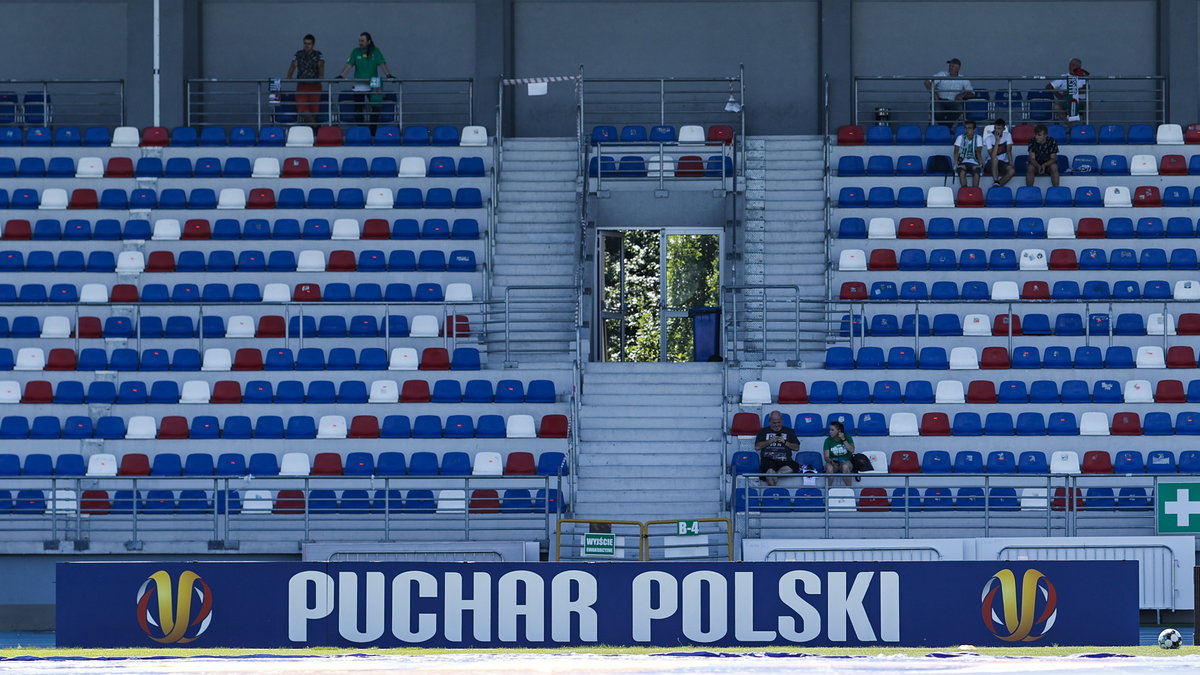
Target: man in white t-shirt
{"points": [[998, 145], [1061, 88], [949, 94], [967, 155]]}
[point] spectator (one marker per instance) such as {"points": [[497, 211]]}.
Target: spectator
{"points": [[1043, 156], [839, 446], [968, 148], [998, 144], [1061, 89], [367, 61], [308, 64], [776, 443], [948, 94]]}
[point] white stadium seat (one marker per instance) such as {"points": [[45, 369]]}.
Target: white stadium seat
{"points": [[331, 426], [384, 391], [403, 358], [1033, 499], [1187, 289], [1139, 391], [294, 464], [53, 199], [950, 391], [691, 133], [195, 391], [30, 358], [93, 293], [89, 167], [852, 260], [902, 424], [276, 292], [1033, 259], [473, 136], [217, 359], [1169, 134], [412, 167], [1093, 423], [879, 462], [520, 426], [1005, 290], [452, 501], [881, 228], [240, 326], [842, 499], [131, 262], [977, 324], [56, 327], [1117, 196], [1149, 356], [257, 501], [1060, 228], [300, 137], [940, 197], [310, 261], [102, 464], [1064, 461], [756, 392], [140, 427], [345, 229], [964, 358], [1160, 324], [126, 137], [487, 464], [265, 167], [10, 391], [380, 198], [232, 198], [62, 501], [459, 292], [423, 325], [166, 229], [1143, 165]]}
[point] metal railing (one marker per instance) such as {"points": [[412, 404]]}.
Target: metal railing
{"points": [[903, 99], [637, 541], [266, 102], [42, 103], [769, 319], [227, 509], [662, 164], [898, 505]]}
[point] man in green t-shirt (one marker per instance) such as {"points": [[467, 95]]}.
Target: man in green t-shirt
{"points": [[368, 62], [839, 446]]}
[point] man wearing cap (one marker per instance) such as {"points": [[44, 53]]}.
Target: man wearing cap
{"points": [[948, 94]]}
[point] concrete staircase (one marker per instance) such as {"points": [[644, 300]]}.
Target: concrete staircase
{"points": [[784, 242], [536, 244], [650, 443]]}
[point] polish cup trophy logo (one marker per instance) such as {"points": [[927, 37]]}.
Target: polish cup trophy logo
{"points": [[1021, 612], [174, 613]]}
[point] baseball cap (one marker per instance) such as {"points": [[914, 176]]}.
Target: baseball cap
{"points": [[955, 62]]}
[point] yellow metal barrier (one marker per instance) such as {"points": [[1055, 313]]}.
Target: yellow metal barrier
{"points": [[600, 542], [684, 529]]}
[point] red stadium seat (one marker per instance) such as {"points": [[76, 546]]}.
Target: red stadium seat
{"points": [[123, 293], [882, 259], [994, 358], [1191, 134], [1169, 391], [88, 328], [904, 461], [227, 391], [328, 137], [792, 392], [484, 501], [1022, 134], [341, 261], [981, 391], [1189, 324], [1172, 165], [1147, 195], [83, 198], [38, 391], [326, 464], [456, 325], [555, 426], [376, 228], [1000, 325], [1068, 501], [853, 290], [1181, 356], [17, 230], [1063, 259], [690, 166], [434, 358], [156, 137], [722, 133], [289, 501], [1097, 461], [271, 326], [294, 167], [520, 463], [1035, 290], [60, 358], [173, 426], [935, 424], [745, 424], [873, 499], [911, 228], [1126, 424], [196, 229], [363, 426], [261, 198], [160, 261], [1090, 228], [118, 167], [94, 503], [247, 358], [969, 197], [134, 464], [414, 391], [851, 134], [307, 293]]}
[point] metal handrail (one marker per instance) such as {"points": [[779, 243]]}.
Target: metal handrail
{"points": [[659, 152], [261, 102], [98, 102], [1119, 99]]}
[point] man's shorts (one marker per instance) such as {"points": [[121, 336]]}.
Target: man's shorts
{"points": [[837, 463], [970, 167], [1001, 167], [766, 464]]}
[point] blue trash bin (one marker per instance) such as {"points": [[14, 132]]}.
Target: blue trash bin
{"points": [[706, 332]]}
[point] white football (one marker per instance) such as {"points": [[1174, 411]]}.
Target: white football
{"points": [[1170, 639]]}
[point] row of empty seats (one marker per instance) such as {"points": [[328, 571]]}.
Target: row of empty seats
{"points": [[286, 391], [1076, 134], [637, 166], [1004, 461], [218, 292], [1059, 423], [1033, 324], [26, 502], [663, 133], [954, 391], [1094, 289], [942, 499], [1003, 227], [236, 198], [248, 260], [242, 167], [245, 358], [1081, 165], [999, 358], [1113, 196], [236, 326], [269, 136], [1030, 259], [260, 464], [253, 229]]}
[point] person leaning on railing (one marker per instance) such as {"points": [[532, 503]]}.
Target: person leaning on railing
{"points": [[367, 61], [949, 94], [307, 64]]}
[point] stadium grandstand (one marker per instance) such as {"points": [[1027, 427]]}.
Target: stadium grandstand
{"points": [[551, 279]]}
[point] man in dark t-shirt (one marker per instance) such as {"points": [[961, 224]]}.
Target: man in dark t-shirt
{"points": [[775, 444], [1043, 156]]}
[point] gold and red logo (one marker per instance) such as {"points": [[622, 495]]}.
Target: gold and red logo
{"points": [[1019, 614], [172, 613]]}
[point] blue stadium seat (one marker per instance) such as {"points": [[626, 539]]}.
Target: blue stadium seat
{"points": [[879, 135], [1059, 197], [1114, 165], [998, 424], [940, 228], [918, 391]]}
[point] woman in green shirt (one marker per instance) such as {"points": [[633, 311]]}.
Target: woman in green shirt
{"points": [[367, 61], [839, 446]]}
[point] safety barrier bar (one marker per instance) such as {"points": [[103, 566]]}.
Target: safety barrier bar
{"points": [[769, 319], [265, 102], [269, 508], [42, 103], [609, 540], [903, 99], [662, 161]]}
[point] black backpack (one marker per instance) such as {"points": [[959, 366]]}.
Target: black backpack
{"points": [[939, 165], [861, 463]]}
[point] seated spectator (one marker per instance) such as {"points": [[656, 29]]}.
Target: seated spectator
{"points": [[998, 144], [776, 443], [967, 155], [1043, 156], [1062, 91], [949, 94], [839, 447]]}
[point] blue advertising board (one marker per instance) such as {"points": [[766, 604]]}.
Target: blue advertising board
{"points": [[932, 604]]}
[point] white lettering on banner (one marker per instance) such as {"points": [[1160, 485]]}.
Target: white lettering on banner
{"points": [[889, 606], [480, 606], [402, 606], [810, 618], [843, 604], [643, 613], [705, 589], [510, 607], [562, 606], [348, 607], [300, 611], [743, 610]]}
